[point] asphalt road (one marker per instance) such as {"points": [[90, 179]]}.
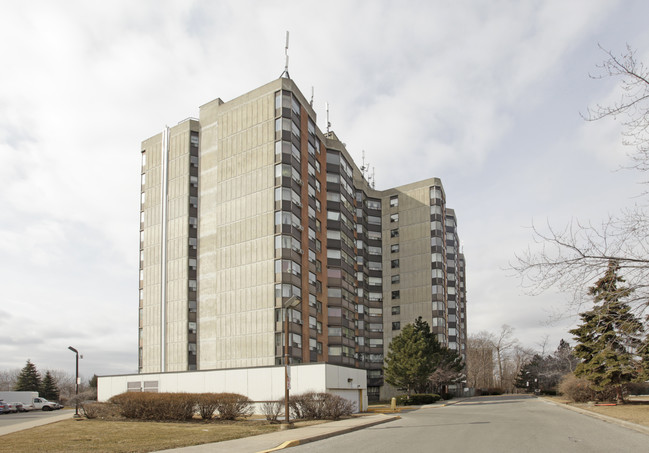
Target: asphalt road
{"points": [[489, 424], [22, 417]]}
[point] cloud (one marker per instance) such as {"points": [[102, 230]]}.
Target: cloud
{"points": [[485, 96]]}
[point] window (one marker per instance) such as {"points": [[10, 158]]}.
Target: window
{"points": [[396, 310], [438, 306], [435, 193], [374, 250], [396, 294], [394, 248], [396, 325], [394, 218], [394, 264], [394, 233], [396, 279], [394, 201], [373, 204]]}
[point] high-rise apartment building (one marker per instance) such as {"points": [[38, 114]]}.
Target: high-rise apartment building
{"points": [[252, 204]]}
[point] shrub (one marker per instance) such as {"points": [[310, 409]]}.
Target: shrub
{"points": [[207, 403], [447, 396], [319, 406], [156, 406], [638, 388], [272, 409], [494, 391], [417, 399], [580, 391], [93, 409], [231, 406], [309, 406], [336, 406]]}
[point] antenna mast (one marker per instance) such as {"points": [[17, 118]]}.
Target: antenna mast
{"points": [[328, 123], [286, 64], [312, 92]]}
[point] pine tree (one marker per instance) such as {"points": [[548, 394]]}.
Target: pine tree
{"points": [[415, 360], [29, 378], [49, 390], [608, 336], [408, 363]]}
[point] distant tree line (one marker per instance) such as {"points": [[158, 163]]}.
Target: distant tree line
{"points": [[55, 385]]}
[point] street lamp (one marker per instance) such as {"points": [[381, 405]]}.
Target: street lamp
{"points": [[76, 388], [291, 302]]}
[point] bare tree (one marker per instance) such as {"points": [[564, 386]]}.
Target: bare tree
{"points": [[494, 360], [8, 379], [571, 259], [504, 344], [480, 360], [633, 104]]}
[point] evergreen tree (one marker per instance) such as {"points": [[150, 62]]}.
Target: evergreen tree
{"points": [[608, 336], [408, 363], [49, 390], [545, 373], [29, 378], [92, 382], [415, 360]]}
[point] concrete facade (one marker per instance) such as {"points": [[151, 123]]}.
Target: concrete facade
{"points": [[260, 384], [252, 204]]}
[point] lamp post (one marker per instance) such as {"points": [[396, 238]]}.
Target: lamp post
{"points": [[289, 303], [76, 388]]}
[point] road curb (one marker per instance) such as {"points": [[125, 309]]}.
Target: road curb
{"points": [[306, 440], [616, 421]]}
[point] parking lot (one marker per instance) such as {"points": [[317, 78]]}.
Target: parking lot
{"points": [[39, 417]]}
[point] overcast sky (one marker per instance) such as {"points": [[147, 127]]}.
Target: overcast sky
{"points": [[485, 95]]}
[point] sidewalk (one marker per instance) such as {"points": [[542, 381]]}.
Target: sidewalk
{"points": [[290, 437], [64, 415]]}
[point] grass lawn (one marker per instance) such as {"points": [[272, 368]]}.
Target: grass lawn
{"points": [[635, 411], [127, 436]]}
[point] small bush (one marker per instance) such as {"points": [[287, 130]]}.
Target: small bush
{"points": [[494, 391], [103, 411], [417, 399], [336, 406], [156, 406], [447, 396], [580, 391], [207, 403], [231, 406], [638, 388], [320, 406], [272, 409]]}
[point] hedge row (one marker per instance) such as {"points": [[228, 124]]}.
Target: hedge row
{"points": [[181, 406], [310, 406], [417, 399]]}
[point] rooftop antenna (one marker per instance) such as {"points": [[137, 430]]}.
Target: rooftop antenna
{"points": [[286, 64], [312, 92], [373, 182], [328, 122], [363, 167]]}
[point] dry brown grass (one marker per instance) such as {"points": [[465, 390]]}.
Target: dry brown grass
{"points": [[127, 436], [635, 411]]}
